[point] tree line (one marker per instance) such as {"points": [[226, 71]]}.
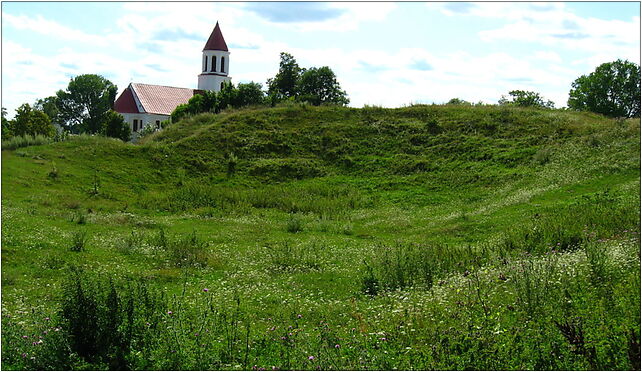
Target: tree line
{"points": [[315, 85], [85, 106], [612, 90]]}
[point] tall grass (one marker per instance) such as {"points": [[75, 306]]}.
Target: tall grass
{"points": [[24, 141], [589, 219], [597, 216], [528, 312], [323, 200]]}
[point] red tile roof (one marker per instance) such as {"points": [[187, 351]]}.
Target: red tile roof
{"points": [[216, 40], [158, 99], [125, 103]]}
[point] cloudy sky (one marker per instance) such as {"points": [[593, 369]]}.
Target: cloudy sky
{"points": [[388, 54]]}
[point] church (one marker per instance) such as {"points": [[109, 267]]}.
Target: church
{"points": [[146, 104]]}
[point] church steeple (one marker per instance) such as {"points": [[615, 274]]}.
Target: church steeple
{"points": [[216, 40], [216, 62]]}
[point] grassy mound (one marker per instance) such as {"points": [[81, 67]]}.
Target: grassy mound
{"points": [[299, 237]]}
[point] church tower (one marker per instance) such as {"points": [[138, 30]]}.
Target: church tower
{"points": [[216, 62]]}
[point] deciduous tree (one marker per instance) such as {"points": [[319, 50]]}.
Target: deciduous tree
{"points": [[83, 106], [284, 84], [613, 89], [524, 98], [6, 132], [249, 94], [49, 106], [31, 122], [320, 86]]}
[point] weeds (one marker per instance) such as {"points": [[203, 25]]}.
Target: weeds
{"points": [[321, 200], [79, 241], [24, 141], [541, 272], [294, 224], [95, 184], [188, 251], [53, 173], [287, 257]]}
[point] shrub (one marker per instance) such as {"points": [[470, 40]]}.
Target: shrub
{"points": [[114, 125]]}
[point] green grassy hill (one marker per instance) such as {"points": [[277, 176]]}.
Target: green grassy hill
{"points": [[425, 237]]}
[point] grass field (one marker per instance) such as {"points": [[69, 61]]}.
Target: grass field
{"points": [[299, 237]]}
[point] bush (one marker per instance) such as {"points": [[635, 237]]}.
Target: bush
{"points": [[114, 126]]}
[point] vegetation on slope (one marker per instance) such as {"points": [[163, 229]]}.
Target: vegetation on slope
{"points": [[299, 237]]}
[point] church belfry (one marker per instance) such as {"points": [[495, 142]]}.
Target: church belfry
{"points": [[216, 62]]}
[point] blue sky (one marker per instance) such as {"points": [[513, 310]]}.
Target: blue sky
{"points": [[388, 54]]}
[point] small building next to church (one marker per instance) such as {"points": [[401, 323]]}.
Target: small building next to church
{"points": [[147, 104]]}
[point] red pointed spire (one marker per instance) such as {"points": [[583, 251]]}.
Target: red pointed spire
{"points": [[216, 40]]}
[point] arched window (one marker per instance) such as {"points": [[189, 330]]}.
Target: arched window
{"points": [[213, 64], [204, 63], [222, 64]]}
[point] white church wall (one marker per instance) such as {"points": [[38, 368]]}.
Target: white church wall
{"points": [[143, 119]]}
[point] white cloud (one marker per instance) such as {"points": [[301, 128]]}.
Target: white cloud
{"points": [[46, 27], [554, 25], [160, 43]]}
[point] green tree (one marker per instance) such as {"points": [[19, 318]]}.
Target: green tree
{"points": [[613, 89], [227, 97], [284, 84], [210, 101], [320, 86], [196, 104], [249, 94], [180, 112], [204, 101], [83, 106], [524, 98], [49, 106], [115, 126], [459, 102], [6, 132], [31, 122]]}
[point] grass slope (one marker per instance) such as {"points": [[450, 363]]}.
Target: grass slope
{"points": [[425, 237]]}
